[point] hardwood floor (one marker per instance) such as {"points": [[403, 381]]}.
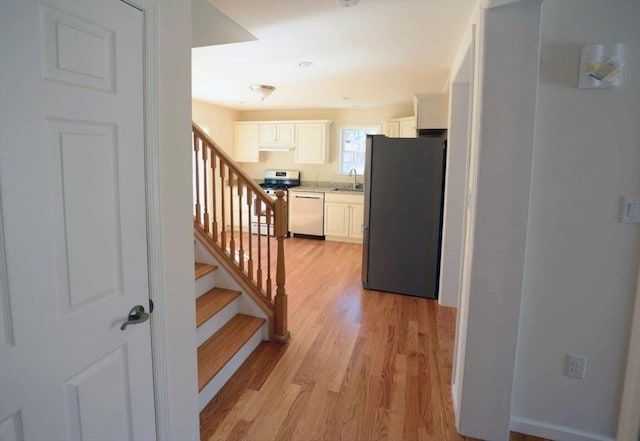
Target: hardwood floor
{"points": [[361, 365]]}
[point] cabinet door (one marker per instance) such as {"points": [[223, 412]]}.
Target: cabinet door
{"points": [[336, 219], [311, 145], [356, 217], [285, 134], [246, 143], [277, 135], [268, 134], [408, 128], [391, 129]]}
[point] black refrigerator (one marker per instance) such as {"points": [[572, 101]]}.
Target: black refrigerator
{"points": [[403, 198]]}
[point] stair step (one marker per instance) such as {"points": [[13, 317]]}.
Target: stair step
{"points": [[208, 304], [202, 269], [214, 353]]}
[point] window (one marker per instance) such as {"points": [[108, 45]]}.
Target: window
{"points": [[353, 145]]}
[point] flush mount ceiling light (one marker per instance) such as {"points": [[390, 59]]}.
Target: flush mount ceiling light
{"points": [[262, 90], [347, 3]]}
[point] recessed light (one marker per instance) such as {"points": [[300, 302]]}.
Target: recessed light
{"points": [[347, 3], [305, 64]]}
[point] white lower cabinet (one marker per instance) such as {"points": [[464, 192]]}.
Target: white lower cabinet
{"points": [[356, 217], [336, 219], [343, 216]]}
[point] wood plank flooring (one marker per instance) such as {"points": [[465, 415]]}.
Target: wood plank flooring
{"points": [[361, 365]]}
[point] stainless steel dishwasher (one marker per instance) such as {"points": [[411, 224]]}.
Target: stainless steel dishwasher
{"points": [[306, 213]]}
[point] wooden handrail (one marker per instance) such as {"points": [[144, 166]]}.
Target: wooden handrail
{"points": [[226, 239]]}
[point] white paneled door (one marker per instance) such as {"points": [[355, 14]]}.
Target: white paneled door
{"points": [[73, 245]]}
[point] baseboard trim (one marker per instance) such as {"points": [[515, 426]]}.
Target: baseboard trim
{"points": [[553, 431]]}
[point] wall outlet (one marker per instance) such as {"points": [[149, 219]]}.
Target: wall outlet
{"points": [[576, 366]]}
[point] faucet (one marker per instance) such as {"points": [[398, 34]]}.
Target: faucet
{"points": [[354, 173]]}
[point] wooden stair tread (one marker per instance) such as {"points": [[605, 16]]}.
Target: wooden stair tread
{"points": [[214, 353], [208, 304], [202, 269]]}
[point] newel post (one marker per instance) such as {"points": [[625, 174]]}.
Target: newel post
{"points": [[281, 328]]}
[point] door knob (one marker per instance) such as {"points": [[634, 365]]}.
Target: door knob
{"points": [[136, 315]]}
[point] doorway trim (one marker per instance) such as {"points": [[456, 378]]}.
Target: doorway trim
{"points": [[153, 212], [463, 83], [629, 419]]}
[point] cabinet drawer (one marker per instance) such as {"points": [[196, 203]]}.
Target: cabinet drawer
{"points": [[351, 199]]}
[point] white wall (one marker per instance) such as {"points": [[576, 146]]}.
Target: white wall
{"points": [[502, 130], [174, 88], [217, 122], [581, 263]]}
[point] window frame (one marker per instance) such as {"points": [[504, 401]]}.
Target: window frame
{"points": [[366, 127]]}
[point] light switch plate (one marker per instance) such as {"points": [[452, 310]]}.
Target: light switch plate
{"points": [[630, 210]]}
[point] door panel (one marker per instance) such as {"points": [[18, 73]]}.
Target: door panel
{"points": [[73, 247], [85, 159], [89, 419], [77, 51]]}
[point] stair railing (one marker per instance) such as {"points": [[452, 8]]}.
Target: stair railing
{"points": [[238, 221]]}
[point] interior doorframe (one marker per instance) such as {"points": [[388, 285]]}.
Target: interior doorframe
{"points": [[153, 213], [629, 418], [466, 79]]}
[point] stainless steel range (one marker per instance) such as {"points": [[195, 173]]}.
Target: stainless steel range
{"points": [[275, 180]]}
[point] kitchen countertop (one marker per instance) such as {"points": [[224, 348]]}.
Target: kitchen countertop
{"points": [[328, 187]]}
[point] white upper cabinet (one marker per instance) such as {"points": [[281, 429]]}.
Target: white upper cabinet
{"points": [[391, 128], [432, 110], [310, 139], [246, 142], [400, 127], [408, 128], [312, 142], [277, 136]]}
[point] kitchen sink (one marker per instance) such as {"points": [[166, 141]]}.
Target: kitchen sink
{"points": [[350, 190]]}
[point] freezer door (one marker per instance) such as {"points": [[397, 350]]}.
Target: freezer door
{"points": [[403, 214]]}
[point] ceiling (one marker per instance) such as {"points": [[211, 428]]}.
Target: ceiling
{"points": [[376, 53]]}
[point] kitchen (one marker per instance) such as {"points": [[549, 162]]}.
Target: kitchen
{"points": [[219, 122], [339, 207]]}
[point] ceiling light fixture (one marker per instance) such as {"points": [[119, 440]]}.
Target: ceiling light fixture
{"points": [[305, 64], [262, 90], [347, 3]]}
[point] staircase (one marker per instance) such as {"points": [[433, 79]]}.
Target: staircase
{"points": [[226, 336], [234, 270]]}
